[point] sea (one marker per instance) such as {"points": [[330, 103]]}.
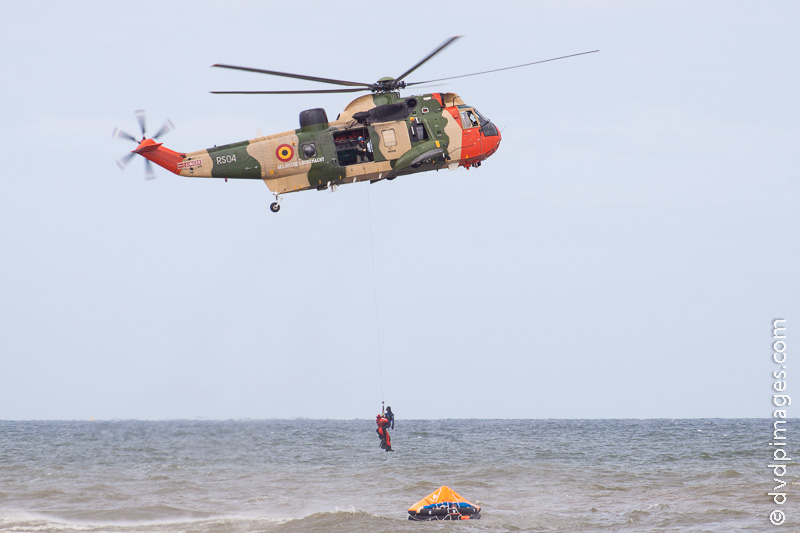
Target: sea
{"points": [[330, 475]]}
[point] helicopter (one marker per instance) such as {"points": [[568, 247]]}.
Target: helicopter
{"points": [[379, 136]]}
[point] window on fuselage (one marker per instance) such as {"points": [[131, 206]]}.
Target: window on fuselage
{"points": [[389, 138], [468, 119]]}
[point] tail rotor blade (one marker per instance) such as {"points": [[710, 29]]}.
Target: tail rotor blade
{"points": [[166, 128], [140, 116], [149, 173], [120, 134], [123, 161]]}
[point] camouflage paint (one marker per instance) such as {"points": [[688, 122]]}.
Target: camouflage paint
{"points": [[234, 161], [280, 161]]}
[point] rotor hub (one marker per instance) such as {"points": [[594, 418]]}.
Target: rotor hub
{"points": [[387, 85]]}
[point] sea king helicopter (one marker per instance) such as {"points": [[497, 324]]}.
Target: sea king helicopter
{"points": [[377, 137]]}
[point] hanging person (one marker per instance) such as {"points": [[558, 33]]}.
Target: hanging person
{"points": [[386, 440], [390, 416]]}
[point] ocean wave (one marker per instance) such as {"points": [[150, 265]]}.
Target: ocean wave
{"points": [[729, 474], [336, 520], [27, 522]]}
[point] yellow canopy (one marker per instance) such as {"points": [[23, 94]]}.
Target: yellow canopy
{"points": [[440, 495]]}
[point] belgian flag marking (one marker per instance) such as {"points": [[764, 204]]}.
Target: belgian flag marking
{"points": [[284, 152]]}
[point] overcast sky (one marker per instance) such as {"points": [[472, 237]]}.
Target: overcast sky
{"points": [[621, 255]]}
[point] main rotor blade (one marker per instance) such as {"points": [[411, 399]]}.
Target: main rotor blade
{"points": [[415, 67], [297, 76], [294, 92], [504, 68]]}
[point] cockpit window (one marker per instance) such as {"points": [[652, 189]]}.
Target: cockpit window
{"points": [[488, 129]]}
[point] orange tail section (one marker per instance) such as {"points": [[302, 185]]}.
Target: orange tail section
{"points": [[160, 155]]}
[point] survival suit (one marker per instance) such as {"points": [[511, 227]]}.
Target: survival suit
{"points": [[383, 426]]}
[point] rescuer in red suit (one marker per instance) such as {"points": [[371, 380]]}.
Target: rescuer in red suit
{"points": [[383, 426]]}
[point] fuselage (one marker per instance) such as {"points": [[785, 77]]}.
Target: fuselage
{"points": [[398, 136]]}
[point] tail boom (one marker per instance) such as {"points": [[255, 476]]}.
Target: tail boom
{"points": [[160, 155]]}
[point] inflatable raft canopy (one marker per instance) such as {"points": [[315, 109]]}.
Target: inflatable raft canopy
{"points": [[443, 504]]}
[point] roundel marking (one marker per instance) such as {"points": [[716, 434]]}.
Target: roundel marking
{"points": [[284, 152]]}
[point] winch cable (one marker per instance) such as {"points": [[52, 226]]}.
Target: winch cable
{"points": [[375, 295]]}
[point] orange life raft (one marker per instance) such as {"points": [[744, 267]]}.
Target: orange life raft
{"points": [[443, 504]]}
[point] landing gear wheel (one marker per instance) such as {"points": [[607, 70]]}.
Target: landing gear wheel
{"points": [[275, 207]]}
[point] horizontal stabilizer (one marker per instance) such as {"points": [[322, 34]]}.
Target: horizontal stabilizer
{"points": [[147, 147]]}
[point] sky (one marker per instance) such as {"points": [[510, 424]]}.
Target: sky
{"points": [[622, 255]]}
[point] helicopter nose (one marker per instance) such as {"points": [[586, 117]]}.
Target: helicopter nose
{"points": [[490, 145]]}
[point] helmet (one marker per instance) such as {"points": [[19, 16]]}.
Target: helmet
{"points": [[360, 138], [389, 408]]}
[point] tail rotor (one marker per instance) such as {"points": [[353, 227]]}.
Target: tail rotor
{"points": [[118, 133]]}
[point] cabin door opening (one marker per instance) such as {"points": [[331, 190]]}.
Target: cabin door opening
{"points": [[346, 146]]}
